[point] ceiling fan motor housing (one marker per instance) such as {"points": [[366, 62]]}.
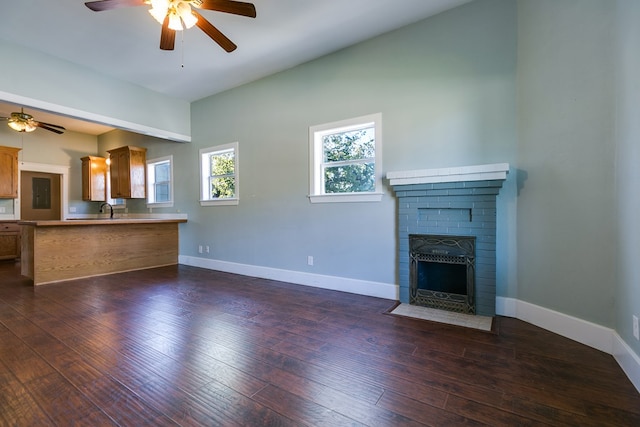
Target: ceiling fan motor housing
{"points": [[24, 117]]}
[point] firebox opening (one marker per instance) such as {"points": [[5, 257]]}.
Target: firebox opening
{"points": [[442, 272], [440, 277]]}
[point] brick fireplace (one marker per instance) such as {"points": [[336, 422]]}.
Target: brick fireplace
{"points": [[441, 207]]}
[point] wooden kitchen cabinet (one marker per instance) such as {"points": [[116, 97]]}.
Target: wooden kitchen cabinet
{"points": [[9, 172], [128, 172], [10, 240], [94, 179]]}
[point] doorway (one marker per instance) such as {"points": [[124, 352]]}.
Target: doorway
{"points": [[40, 196]]}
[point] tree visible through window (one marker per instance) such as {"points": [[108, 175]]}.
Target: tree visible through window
{"points": [[222, 183], [346, 160], [349, 161], [219, 174]]}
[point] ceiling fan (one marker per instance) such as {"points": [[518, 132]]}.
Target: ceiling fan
{"points": [[23, 122], [174, 15]]}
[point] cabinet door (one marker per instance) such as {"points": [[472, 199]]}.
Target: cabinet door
{"points": [[94, 176], [9, 241], [9, 244], [9, 172], [114, 175], [138, 174], [128, 173], [120, 181]]}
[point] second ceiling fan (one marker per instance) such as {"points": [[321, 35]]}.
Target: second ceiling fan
{"points": [[174, 15], [23, 122]]}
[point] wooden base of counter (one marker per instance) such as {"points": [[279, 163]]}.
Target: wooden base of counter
{"points": [[57, 253]]}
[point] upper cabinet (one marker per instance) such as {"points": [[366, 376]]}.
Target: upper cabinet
{"points": [[94, 179], [9, 172], [128, 172]]}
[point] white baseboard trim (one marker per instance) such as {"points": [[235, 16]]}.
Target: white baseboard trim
{"points": [[627, 359], [354, 286], [582, 331]]}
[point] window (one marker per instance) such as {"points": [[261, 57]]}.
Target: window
{"points": [[219, 175], [346, 161], [160, 182]]}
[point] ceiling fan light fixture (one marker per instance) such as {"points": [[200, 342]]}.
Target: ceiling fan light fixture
{"points": [[20, 126], [174, 22], [188, 18], [179, 13], [159, 4], [158, 14]]}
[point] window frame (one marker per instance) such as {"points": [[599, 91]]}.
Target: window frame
{"points": [[205, 178], [151, 182], [316, 180]]}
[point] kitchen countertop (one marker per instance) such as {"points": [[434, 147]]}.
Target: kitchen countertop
{"points": [[100, 221]]}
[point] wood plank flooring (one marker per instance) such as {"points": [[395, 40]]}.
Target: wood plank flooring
{"points": [[192, 347]]}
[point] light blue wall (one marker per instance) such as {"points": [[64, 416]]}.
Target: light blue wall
{"points": [[566, 220], [38, 80], [628, 172], [446, 91]]}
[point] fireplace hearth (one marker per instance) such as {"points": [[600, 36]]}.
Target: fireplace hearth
{"points": [[442, 272]]}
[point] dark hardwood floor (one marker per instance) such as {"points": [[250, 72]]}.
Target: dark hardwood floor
{"points": [[187, 346]]}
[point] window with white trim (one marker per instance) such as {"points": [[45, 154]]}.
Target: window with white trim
{"points": [[219, 175], [346, 160], [160, 182]]}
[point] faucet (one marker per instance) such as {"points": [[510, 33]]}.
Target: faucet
{"points": [[110, 208]]}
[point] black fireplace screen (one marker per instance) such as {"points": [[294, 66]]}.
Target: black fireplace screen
{"points": [[442, 272]]}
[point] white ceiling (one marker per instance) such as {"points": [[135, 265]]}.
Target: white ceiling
{"points": [[124, 43]]}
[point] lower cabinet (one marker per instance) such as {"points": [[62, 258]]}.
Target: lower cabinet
{"points": [[9, 240]]}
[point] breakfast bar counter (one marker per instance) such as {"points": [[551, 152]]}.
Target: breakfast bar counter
{"points": [[54, 251]]}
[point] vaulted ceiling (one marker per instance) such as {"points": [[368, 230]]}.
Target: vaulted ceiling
{"points": [[124, 43]]}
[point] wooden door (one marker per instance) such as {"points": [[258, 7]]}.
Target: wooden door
{"points": [[40, 196]]}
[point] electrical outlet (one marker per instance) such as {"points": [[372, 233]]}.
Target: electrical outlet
{"points": [[2, 209], [309, 260], [72, 209], [636, 331], [206, 249], [199, 249]]}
